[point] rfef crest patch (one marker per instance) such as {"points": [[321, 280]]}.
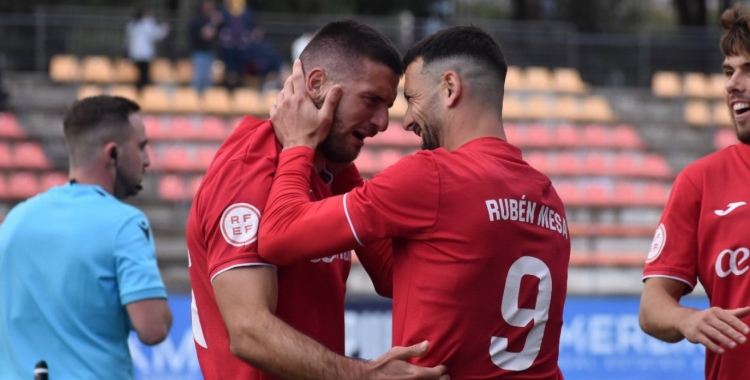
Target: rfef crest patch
{"points": [[239, 224], [660, 238]]}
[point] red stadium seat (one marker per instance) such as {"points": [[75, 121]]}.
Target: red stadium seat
{"points": [[595, 135], [724, 138], [567, 163], [155, 162], [568, 192], [30, 155], [597, 194], [52, 179], [3, 188], [177, 158], [596, 163], [655, 165], [626, 164], [625, 193], [566, 135], [172, 188], [6, 158], [193, 185], [9, 127], [388, 157], [538, 161], [365, 162], [212, 129], [625, 136], [538, 135], [181, 128], [154, 130], [22, 185], [204, 156], [655, 194]]}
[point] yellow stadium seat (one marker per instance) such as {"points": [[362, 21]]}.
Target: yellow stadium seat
{"points": [[538, 79], [512, 108], [186, 100], [125, 91], [537, 107], [247, 101], [513, 79], [695, 85], [184, 71], [97, 69], [666, 84], [154, 99], [87, 91], [717, 86], [216, 100], [697, 113], [567, 108], [161, 71], [721, 115], [596, 108], [125, 71], [568, 80], [64, 68]]}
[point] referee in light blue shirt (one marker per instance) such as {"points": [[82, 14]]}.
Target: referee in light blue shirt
{"points": [[77, 266]]}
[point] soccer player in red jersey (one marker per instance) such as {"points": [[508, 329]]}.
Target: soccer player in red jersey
{"points": [[254, 320], [479, 238], [703, 234]]}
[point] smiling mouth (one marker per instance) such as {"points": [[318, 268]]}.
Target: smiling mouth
{"points": [[359, 136], [740, 108], [418, 130]]}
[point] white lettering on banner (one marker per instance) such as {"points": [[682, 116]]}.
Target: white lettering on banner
{"points": [[735, 262], [523, 210], [346, 256], [165, 358]]}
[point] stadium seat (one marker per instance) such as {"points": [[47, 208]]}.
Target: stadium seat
{"points": [[212, 129], [695, 85], [186, 100], [154, 130], [125, 91], [721, 115], [52, 179], [97, 69], [87, 91], [512, 134], [655, 194], [181, 128], [538, 134], [9, 127], [568, 192], [172, 188], [387, 158], [154, 99], [154, 160], [398, 110], [595, 135], [204, 156], [30, 155], [666, 84], [625, 193], [566, 163], [216, 100], [183, 71], [161, 71], [193, 185], [64, 68], [177, 158], [538, 160], [366, 162], [22, 185], [724, 138], [597, 194], [514, 79], [512, 108], [568, 80], [125, 71], [4, 191], [626, 164], [567, 108], [717, 86], [596, 163], [6, 156], [625, 136], [596, 108], [537, 107], [655, 165], [697, 113], [566, 135], [247, 101], [537, 79]]}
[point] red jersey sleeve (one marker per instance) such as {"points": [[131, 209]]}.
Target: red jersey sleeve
{"points": [[674, 250], [402, 201], [232, 217]]}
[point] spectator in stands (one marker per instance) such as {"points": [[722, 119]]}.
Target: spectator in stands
{"points": [[480, 244], [703, 234], [253, 320], [235, 36], [203, 38], [264, 62], [79, 268], [142, 33]]}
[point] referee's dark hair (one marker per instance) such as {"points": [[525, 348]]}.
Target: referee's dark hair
{"points": [[338, 44], [92, 122]]}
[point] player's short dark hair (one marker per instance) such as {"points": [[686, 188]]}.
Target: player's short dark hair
{"points": [[736, 39], [348, 40], [465, 42], [93, 121]]}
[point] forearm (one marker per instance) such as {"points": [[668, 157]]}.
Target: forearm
{"points": [[661, 313], [275, 347]]}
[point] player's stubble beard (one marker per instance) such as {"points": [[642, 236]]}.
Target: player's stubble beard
{"points": [[743, 134], [429, 128], [334, 148]]}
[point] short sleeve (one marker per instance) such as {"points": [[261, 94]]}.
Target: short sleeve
{"points": [[400, 201], [234, 206], [138, 275], [674, 250]]}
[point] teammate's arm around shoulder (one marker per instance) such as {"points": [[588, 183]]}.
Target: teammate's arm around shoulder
{"points": [[662, 317], [247, 300]]}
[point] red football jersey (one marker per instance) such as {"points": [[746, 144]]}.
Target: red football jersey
{"points": [[222, 234], [480, 252], [703, 236]]}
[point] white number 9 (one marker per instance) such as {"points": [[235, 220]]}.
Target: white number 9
{"points": [[515, 316]]}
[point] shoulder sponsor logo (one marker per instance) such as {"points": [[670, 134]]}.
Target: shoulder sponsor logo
{"points": [[144, 227], [730, 208], [736, 260], [660, 238], [239, 224], [346, 256]]}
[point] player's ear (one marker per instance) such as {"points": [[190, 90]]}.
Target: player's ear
{"points": [[110, 151], [315, 84], [450, 88]]}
